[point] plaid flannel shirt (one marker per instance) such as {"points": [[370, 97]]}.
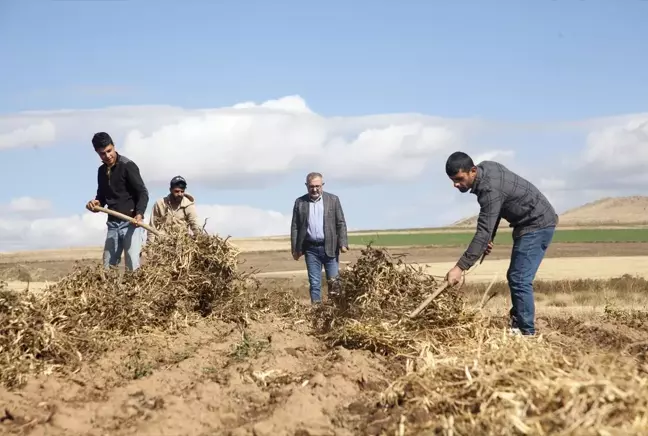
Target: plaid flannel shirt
{"points": [[502, 193]]}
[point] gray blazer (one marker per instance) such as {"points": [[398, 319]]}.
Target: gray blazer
{"points": [[335, 230]]}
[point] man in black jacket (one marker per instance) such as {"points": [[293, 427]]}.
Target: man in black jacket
{"points": [[121, 188]]}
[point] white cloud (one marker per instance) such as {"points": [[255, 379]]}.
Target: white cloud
{"points": [[248, 140], [243, 221], [610, 162], [620, 150], [29, 205], [89, 229], [41, 233], [26, 134], [552, 184], [503, 156], [237, 145], [397, 152]]}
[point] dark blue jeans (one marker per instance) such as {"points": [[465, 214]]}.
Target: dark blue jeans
{"points": [[526, 256], [316, 257]]}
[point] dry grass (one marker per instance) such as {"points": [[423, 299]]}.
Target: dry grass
{"points": [[498, 384], [634, 318], [377, 293], [470, 376], [184, 278], [582, 293], [28, 338]]}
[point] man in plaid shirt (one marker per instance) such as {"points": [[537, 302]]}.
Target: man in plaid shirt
{"points": [[503, 194]]}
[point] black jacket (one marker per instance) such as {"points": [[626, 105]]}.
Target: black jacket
{"points": [[124, 191]]}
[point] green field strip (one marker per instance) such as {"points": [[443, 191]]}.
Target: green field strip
{"points": [[463, 238]]}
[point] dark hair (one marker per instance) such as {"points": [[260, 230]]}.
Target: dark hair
{"points": [[178, 181], [101, 140], [458, 161]]}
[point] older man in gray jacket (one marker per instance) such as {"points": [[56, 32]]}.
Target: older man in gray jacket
{"points": [[319, 232]]}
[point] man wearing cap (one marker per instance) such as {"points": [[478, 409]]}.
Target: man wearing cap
{"points": [[177, 207], [119, 187]]}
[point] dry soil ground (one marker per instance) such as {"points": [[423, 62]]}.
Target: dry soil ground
{"points": [[275, 378]]}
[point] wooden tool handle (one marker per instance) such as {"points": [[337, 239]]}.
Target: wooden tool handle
{"points": [[428, 300], [126, 218]]}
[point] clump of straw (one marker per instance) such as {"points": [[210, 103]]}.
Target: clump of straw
{"points": [[377, 293], [183, 278], [27, 337], [510, 385]]}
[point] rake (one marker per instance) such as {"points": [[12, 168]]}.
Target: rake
{"points": [[127, 218], [429, 299], [445, 285]]}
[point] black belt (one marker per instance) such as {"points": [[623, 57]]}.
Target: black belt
{"points": [[314, 243]]}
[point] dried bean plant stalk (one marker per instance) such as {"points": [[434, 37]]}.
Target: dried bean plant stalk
{"points": [[377, 293], [182, 279]]}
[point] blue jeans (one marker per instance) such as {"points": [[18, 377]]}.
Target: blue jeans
{"points": [[316, 257], [526, 256], [122, 236]]}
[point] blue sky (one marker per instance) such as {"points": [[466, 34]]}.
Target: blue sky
{"points": [[531, 70]]}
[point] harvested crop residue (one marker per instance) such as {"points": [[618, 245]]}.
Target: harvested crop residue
{"points": [[188, 345]]}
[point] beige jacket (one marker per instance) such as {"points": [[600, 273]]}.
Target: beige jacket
{"points": [[163, 212]]}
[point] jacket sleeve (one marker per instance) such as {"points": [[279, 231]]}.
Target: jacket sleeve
{"points": [[100, 197], [192, 218], [135, 180], [153, 221], [294, 227], [491, 205], [341, 225]]}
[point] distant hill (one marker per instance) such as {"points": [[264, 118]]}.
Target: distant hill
{"points": [[606, 211], [472, 222], [609, 211]]}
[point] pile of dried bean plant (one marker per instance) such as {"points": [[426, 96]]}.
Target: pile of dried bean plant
{"points": [[182, 279], [376, 294]]}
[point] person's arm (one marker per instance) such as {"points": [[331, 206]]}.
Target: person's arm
{"points": [[135, 180], [192, 218], [294, 228], [101, 196], [341, 225], [155, 214], [490, 206]]}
